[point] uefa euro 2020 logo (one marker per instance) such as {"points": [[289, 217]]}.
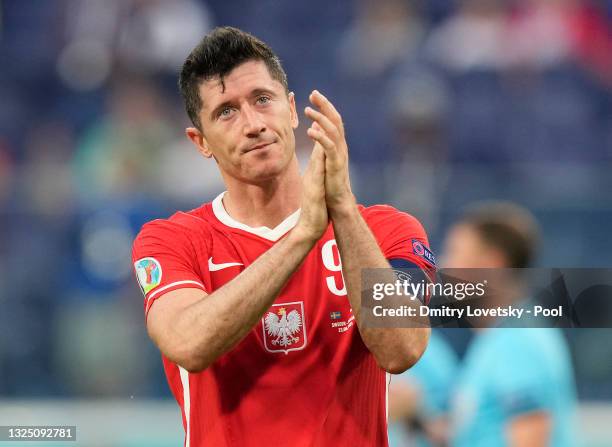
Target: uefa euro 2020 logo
{"points": [[149, 273]]}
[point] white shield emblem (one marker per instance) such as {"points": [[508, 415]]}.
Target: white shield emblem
{"points": [[284, 328]]}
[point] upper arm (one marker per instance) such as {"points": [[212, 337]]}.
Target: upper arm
{"points": [[164, 261], [163, 315], [170, 277], [400, 236], [403, 242], [529, 430]]}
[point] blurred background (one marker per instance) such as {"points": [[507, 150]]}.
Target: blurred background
{"points": [[445, 102]]}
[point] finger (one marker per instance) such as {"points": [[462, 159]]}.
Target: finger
{"points": [[326, 124], [325, 105], [326, 143], [317, 159], [314, 181], [318, 155]]}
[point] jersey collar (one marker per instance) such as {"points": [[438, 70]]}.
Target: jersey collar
{"points": [[271, 234]]}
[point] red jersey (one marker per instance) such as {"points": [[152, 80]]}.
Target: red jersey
{"points": [[303, 376]]}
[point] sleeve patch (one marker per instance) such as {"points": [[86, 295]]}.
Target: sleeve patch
{"points": [[423, 252], [412, 273], [148, 273]]}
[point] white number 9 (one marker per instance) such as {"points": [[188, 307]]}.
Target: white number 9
{"points": [[327, 253]]}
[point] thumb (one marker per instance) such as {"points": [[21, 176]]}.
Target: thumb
{"points": [[316, 163]]}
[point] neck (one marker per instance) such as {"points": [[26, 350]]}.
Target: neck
{"points": [[266, 204]]}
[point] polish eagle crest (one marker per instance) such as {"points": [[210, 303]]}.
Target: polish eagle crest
{"points": [[282, 327]]}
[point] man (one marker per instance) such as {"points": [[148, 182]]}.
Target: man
{"points": [[516, 385], [419, 398], [254, 299]]}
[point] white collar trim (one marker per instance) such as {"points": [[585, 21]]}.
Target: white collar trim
{"points": [[271, 234]]}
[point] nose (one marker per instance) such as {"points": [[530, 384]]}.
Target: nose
{"points": [[253, 124]]}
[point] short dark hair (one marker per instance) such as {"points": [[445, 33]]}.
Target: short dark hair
{"points": [[507, 227], [219, 52]]}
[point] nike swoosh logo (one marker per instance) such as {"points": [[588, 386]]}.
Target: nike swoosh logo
{"points": [[216, 267]]}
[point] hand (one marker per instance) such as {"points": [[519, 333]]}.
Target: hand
{"points": [[313, 215], [328, 132]]}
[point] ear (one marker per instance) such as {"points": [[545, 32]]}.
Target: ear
{"points": [[198, 139], [294, 116]]}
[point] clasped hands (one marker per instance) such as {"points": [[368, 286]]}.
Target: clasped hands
{"points": [[326, 188]]}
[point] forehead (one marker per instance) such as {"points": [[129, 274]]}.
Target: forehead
{"points": [[241, 81]]}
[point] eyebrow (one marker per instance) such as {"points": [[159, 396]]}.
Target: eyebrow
{"points": [[260, 91], [255, 92]]}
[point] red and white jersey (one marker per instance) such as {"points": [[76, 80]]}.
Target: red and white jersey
{"points": [[302, 377]]}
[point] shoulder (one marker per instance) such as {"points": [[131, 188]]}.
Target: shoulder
{"points": [[529, 339], [180, 227], [399, 235], [386, 216], [392, 225], [522, 348]]}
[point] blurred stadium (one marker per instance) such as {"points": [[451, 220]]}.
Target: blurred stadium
{"points": [[445, 102]]}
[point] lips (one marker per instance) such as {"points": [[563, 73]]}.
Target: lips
{"points": [[257, 147]]}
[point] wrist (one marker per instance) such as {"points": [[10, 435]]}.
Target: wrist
{"points": [[345, 208], [300, 236]]}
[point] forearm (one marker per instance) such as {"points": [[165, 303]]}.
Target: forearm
{"points": [[395, 349], [197, 329], [215, 324]]}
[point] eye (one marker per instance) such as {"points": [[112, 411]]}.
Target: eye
{"points": [[263, 99], [225, 112]]}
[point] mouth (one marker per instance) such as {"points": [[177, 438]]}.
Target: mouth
{"points": [[258, 147]]}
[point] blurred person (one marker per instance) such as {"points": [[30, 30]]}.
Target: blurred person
{"points": [[467, 47], [118, 156], [472, 38], [539, 33], [35, 237], [44, 179], [384, 34], [544, 33], [419, 398], [516, 385], [148, 36], [383, 37], [254, 299], [419, 115], [159, 33], [592, 33]]}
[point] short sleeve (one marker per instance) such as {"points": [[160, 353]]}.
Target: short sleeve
{"points": [[164, 260], [400, 237]]}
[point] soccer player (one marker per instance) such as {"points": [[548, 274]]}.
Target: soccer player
{"points": [[254, 299], [516, 386]]}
